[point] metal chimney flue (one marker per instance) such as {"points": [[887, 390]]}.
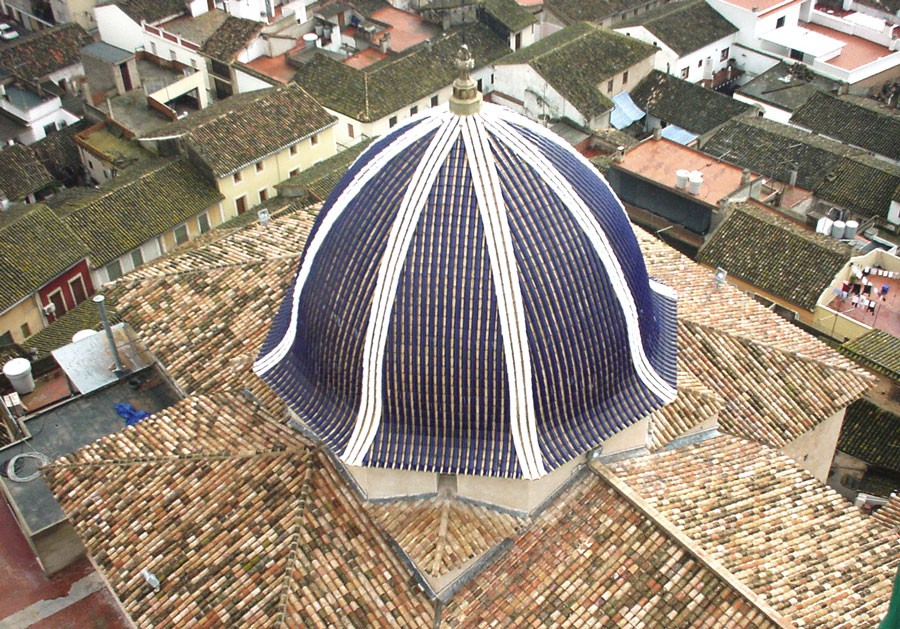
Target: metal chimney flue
{"points": [[101, 306]]}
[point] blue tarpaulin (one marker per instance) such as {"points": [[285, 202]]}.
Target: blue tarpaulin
{"points": [[130, 414], [624, 111], [677, 134]]}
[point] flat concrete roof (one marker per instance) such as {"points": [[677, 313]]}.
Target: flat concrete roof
{"points": [[68, 427]]}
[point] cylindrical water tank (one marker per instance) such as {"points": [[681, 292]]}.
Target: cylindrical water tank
{"points": [[837, 229], [695, 180], [82, 334], [826, 226], [310, 40], [18, 370], [850, 229], [681, 178]]}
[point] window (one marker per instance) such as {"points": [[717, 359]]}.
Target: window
{"points": [[609, 86], [413, 110], [194, 63], [294, 172], [203, 223], [434, 101], [392, 121], [90, 164], [518, 41], [625, 78], [181, 234], [153, 48], [780, 22], [26, 330], [137, 258], [114, 270], [76, 287], [685, 72], [263, 195], [56, 298], [259, 167], [796, 54], [174, 57], [350, 131], [240, 204], [314, 139], [724, 55], [237, 177], [480, 88], [700, 63], [293, 150]]}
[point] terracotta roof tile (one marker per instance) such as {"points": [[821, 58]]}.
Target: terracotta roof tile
{"points": [[595, 558], [791, 539], [126, 212], [872, 434], [688, 105], [889, 514], [241, 520], [22, 173], [35, 247], [849, 122], [775, 255], [442, 534], [242, 129], [878, 350], [578, 60], [230, 38], [685, 27], [150, 11], [44, 52]]}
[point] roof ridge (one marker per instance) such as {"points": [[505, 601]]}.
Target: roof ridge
{"points": [[588, 31], [682, 539], [742, 338], [215, 267], [142, 460], [294, 556]]}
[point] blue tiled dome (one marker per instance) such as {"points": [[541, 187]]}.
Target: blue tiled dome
{"points": [[471, 300]]}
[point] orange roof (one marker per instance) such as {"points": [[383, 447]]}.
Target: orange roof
{"points": [[856, 52], [657, 160]]}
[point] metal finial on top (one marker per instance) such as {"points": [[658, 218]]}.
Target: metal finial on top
{"points": [[466, 99]]}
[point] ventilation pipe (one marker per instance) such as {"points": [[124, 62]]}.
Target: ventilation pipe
{"points": [[101, 306], [745, 176]]}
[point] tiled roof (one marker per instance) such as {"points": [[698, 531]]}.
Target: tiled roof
{"points": [[753, 366], [846, 121], [241, 520], [22, 173], [775, 255], [178, 309], [862, 183], [889, 514], [59, 153], [124, 214], [571, 11], [509, 14], [872, 434], [44, 52], [771, 87], [320, 179], [381, 89], [794, 541], [35, 247], [685, 27], [770, 148], [878, 350], [442, 534], [150, 11], [688, 105], [596, 558], [230, 38], [84, 316], [578, 59], [233, 133]]}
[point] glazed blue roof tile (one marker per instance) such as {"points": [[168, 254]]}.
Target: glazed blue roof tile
{"points": [[471, 300]]}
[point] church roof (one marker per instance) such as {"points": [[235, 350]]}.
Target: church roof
{"points": [[472, 300], [198, 311]]}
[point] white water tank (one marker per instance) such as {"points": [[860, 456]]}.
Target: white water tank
{"points": [[310, 40], [695, 180], [82, 334], [681, 178], [18, 370], [850, 229], [837, 229]]}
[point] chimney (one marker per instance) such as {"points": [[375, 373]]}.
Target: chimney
{"points": [[657, 133], [86, 91], [619, 157], [385, 43], [99, 299], [745, 176], [793, 178]]}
